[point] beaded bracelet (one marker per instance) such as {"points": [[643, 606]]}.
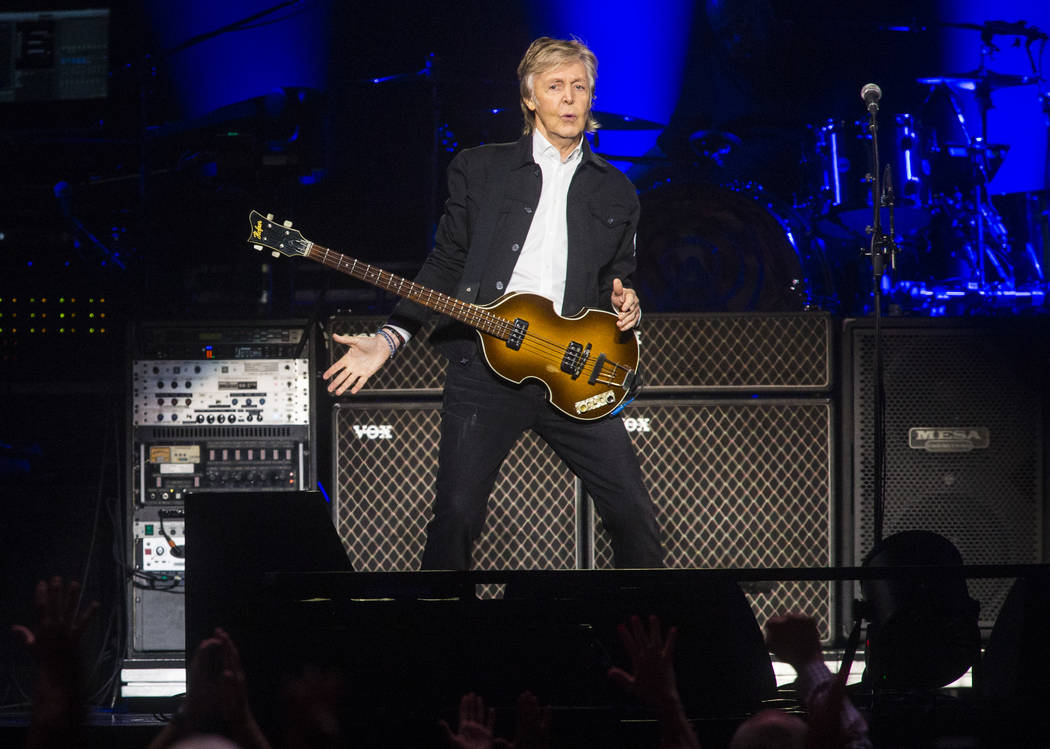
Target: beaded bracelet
{"points": [[389, 342], [394, 332]]}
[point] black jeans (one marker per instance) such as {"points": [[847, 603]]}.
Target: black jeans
{"points": [[482, 417]]}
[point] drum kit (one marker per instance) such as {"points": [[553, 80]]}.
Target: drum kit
{"points": [[719, 240]]}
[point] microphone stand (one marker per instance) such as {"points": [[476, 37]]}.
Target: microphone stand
{"points": [[880, 244], [877, 251]]}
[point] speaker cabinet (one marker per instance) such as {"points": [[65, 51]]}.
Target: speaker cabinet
{"points": [[736, 353], [385, 468], [740, 484], [965, 455], [681, 353]]}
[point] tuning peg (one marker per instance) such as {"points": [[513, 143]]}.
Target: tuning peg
{"points": [[258, 247], [287, 224], [269, 217], [275, 254]]}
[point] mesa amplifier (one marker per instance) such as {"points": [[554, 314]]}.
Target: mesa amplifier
{"points": [[965, 449], [740, 484], [680, 353]]}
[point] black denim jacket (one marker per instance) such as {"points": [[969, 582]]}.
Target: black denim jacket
{"points": [[493, 193]]}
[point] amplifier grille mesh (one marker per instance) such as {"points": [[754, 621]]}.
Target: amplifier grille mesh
{"points": [[987, 501], [386, 458], [741, 352], [740, 484]]}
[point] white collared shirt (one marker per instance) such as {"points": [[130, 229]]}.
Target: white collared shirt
{"points": [[542, 265]]}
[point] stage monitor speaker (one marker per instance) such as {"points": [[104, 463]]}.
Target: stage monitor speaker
{"points": [[385, 467], [408, 653], [965, 456], [740, 484], [1017, 657], [233, 539]]}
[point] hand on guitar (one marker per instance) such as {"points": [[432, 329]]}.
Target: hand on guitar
{"points": [[363, 358], [625, 302]]}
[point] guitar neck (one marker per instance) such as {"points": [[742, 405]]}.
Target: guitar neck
{"points": [[470, 314]]}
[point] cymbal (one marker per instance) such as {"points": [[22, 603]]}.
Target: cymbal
{"points": [[634, 159], [612, 121], [980, 77]]}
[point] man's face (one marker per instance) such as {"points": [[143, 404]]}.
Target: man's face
{"points": [[561, 99]]}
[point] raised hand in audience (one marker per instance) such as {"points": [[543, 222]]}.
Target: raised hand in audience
{"points": [[54, 646], [476, 725], [532, 728], [310, 705], [652, 679], [475, 729], [794, 639], [834, 722], [216, 698]]}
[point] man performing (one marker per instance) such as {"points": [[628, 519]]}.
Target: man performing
{"points": [[543, 215]]}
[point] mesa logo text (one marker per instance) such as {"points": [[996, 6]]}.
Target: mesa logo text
{"points": [[949, 439]]}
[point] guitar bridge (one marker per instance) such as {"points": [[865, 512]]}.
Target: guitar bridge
{"points": [[517, 334], [575, 357]]}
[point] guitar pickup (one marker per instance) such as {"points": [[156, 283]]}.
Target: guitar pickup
{"points": [[517, 334], [596, 372], [575, 357]]}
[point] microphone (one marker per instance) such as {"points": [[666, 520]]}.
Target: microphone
{"points": [[871, 93], [887, 181]]}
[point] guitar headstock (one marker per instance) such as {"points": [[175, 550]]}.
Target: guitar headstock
{"points": [[280, 238]]}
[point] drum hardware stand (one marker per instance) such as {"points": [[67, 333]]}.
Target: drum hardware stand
{"points": [[984, 209]]}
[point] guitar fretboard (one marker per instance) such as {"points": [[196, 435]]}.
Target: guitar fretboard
{"points": [[467, 313]]}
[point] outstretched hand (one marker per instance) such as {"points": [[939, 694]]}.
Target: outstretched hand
{"points": [[652, 679], [625, 302], [53, 644], [59, 624], [533, 725], [217, 696], [475, 725], [363, 358]]}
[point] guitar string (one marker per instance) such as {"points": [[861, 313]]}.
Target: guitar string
{"points": [[499, 327]]}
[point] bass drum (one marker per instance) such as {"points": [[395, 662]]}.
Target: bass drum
{"points": [[708, 247]]}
